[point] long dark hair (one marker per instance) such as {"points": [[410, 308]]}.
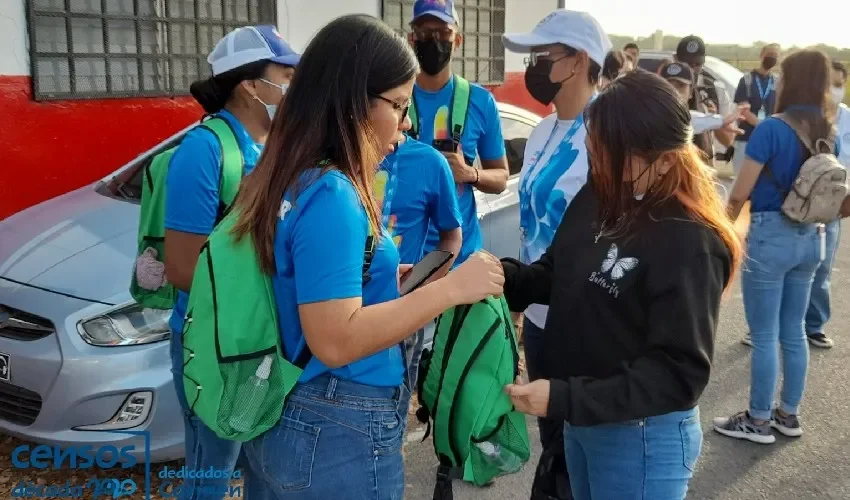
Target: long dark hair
{"points": [[326, 114], [614, 62], [803, 91], [641, 115], [214, 92]]}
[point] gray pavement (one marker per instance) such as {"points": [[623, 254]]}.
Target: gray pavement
{"points": [[815, 466]]}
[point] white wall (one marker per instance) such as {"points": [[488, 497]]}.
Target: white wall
{"points": [[522, 16], [14, 58], [299, 20]]}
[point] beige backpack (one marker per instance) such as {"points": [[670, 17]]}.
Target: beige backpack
{"points": [[821, 185]]}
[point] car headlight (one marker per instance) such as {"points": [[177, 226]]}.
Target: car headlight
{"points": [[128, 325]]}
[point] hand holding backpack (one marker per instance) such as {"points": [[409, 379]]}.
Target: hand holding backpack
{"points": [[820, 189]]}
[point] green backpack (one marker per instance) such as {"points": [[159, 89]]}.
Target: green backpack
{"points": [[147, 285], [460, 108], [478, 434], [236, 373]]}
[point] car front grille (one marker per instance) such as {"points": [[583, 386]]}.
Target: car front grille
{"points": [[18, 405], [19, 325]]}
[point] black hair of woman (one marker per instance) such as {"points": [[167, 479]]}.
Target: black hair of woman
{"points": [[345, 68]]}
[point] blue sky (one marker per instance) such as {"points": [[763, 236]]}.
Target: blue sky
{"points": [[790, 22]]}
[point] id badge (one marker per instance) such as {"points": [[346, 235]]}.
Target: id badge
{"points": [[762, 115]]}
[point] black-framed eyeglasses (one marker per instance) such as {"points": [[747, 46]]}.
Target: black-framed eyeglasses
{"points": [[404, 108], [535, 57], [433, 34]]}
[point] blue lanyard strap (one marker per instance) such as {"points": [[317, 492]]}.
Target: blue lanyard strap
{"points": [[526, 184], [763, 93], [389, 192]]}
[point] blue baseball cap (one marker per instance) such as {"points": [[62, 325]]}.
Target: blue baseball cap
{"points": [[443, 10], [251, 44]]}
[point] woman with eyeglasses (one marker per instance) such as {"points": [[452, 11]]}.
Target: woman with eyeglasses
{"points": [[251, 69], [634, 279], [310, 210]]}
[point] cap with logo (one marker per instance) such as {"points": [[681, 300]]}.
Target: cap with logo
{"points": [[691, 50], [678, 71], [575, 29], [250, 44], [444, 10]]}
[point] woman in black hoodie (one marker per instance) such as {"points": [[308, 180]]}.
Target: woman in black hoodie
{"points": [[633, 279]]}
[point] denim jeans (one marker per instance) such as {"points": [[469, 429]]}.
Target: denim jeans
{"points": [[337, 439], [413, 354], [782, 256], [535, 356], [819, 305], [203, 448], [651, 458]]}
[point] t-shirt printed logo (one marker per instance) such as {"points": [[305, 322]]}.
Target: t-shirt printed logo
{"points": [[617, 267], [285, 207], [441, 123]]}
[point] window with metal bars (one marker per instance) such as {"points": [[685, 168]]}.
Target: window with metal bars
{"points": [[481, 58], [125, 48]]}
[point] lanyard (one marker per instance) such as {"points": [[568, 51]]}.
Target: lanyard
{"points": [[525, 188], [389, 192], [766, 92]]}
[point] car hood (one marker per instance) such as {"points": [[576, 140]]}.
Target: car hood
{"points": [[80, 244]]}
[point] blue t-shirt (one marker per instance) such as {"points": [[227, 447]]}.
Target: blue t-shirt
{"points": [[482, 136], [319, 247], [775, 145], [421, 192], [191, 199], [760, 84]]}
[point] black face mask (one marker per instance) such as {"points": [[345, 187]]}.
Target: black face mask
{"points": [[433, 55], [538, 83], [768, 62]]}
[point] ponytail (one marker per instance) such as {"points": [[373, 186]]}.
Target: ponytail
{"points": [[214, 92]]}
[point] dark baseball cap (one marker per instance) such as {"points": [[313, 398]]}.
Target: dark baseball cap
{"points": [[691, 50], [678, 71]]}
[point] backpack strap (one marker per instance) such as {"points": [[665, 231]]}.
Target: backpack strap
{"points": [[232, 164], [801, 132], [306, 355], [460, 106], [414, 118]]}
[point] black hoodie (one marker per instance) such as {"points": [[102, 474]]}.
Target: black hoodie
{"points": [[631, 323]]}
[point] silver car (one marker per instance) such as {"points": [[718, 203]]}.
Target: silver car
{"points": [[80, 362]]}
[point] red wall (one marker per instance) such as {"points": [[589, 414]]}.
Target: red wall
{"points": [[50, 148]]}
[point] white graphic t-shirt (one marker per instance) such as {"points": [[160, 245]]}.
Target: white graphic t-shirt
{"points": [[553, 171]]}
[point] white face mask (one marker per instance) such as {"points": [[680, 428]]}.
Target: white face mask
{"points": [[271, 109], [837, 94]]}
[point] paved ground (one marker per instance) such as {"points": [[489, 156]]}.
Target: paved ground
{"points": [[815, 466]]}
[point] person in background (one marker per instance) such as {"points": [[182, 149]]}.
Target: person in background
{"points": [[633, 52], [415, 189], [758, 89], [783, 255], [616, 64], [705, 97], [634, 280], [819, 304], [680, 76], [664, 63], [435, 36], [309, 209], [252, 68], [566, 51]]}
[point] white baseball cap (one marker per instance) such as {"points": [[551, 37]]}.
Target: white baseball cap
{"points": [[251, 44], [575, 29]]}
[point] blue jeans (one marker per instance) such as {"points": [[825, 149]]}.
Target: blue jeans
{"points": [[337, 439], [413, 353], [782, 257], [651, 458], [819, 310], [203, 448]]}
